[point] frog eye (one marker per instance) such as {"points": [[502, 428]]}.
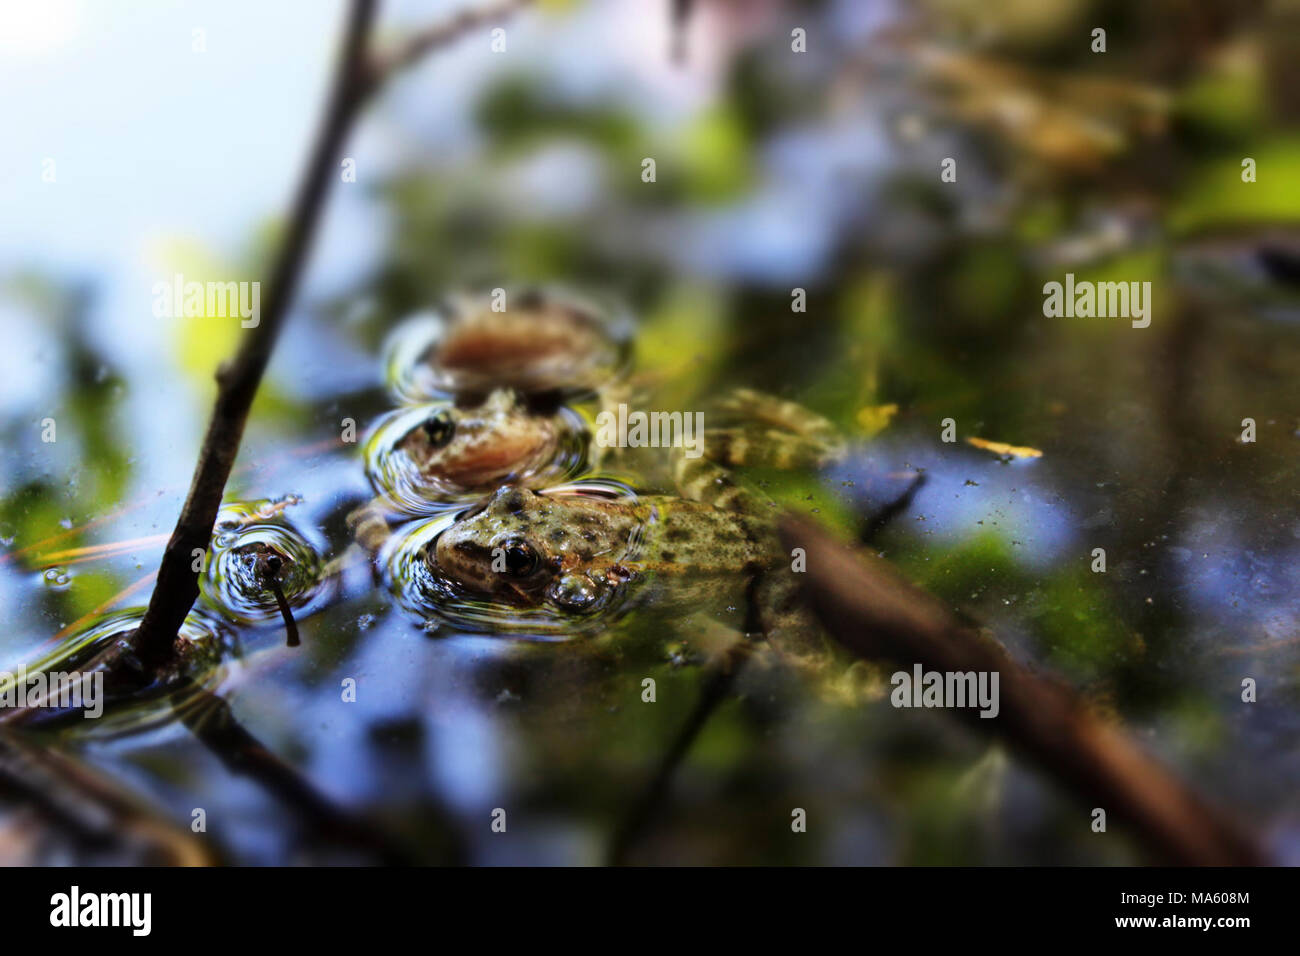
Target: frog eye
{"points": [[440, 428], [520, 558]]}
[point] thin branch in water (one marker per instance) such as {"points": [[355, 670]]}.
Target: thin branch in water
{"points": [[211, 720], [92, 809], [876, 613], [273, 565], [238, 380], [880, 519], [356, 78], [717, 683]]}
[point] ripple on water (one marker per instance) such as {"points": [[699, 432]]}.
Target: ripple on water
{"points": [[133, 701], [255, 542], [396, 475], [546, 340]]}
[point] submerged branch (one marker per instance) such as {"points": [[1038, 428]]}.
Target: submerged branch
{"points": [[93, 810], [211, 720], [877, 614], [717, 685]]}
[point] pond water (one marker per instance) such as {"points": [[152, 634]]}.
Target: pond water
{"points": [[775, 172]]}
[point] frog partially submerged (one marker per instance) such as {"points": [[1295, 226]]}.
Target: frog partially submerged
{"points": [[456, 448], [423, 459], [526, 547], [530, 340], [572, 553], [534, 341], [568, 552]]}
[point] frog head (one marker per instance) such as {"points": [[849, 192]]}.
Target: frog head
{"points": [[530, 549], [479, 447]]}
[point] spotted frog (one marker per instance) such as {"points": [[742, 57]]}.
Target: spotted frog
{"points": [[574, 552]]}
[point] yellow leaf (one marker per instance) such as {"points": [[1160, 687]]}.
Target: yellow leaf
{"points": [[1002, 448], [876, 418]]}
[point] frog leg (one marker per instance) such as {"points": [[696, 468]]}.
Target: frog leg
{"points": [[778, 612], [780, 413], [608, 399], [700, 479], [772, 432], [369, 525], [768, 447]]}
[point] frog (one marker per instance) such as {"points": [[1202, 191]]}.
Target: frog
{"points": [[473, 448], [512, 358], [573, 553], [422, 459], [528, 547], [533, 340]]}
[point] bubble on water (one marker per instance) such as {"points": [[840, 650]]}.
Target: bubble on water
{"points": [[56, 577]]}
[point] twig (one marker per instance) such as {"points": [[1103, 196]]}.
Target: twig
{"points": [[877, 614], [681, 20], [358, 76], [879, 519], [238, 380], [414, 47], [717, 687]]}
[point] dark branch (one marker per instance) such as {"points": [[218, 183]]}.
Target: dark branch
{"points": [[177, 587], [210, 719], [416, 46], [356, 78], [94, 810]]}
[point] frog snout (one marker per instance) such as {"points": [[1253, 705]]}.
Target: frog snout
{"points": [[511, 499]]}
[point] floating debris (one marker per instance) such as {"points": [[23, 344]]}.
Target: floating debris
{"points": [[1005, 450]]}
